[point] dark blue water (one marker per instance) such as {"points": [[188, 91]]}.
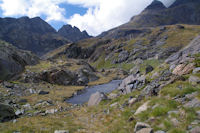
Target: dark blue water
{"points": [[85, 95]]}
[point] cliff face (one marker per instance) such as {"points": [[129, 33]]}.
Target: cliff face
{"points": [[73, 33]]}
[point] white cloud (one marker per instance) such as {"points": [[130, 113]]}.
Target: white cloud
{"points": [[101, 15]]}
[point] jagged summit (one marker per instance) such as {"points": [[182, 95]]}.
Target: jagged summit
{"points": [[73, 33], [155, 5]]}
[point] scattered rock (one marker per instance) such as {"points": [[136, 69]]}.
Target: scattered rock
{"points": [[194, 80], [142, 108], [96, 98]]}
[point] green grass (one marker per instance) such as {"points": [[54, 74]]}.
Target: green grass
{"points": [[173, 89]]}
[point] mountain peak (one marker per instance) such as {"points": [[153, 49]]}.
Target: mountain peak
{"points": [[155, 5], [72, 33]]}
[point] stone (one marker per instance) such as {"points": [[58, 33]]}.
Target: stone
{"points": [[6, 113], [196, 70], [51, 111], [194, 80], [145, 130], [142, 108], [43, 92], [194, 103], [61, 131], [140, 125], [183, 69], [195, 130], [132, 101], [19, 112], [96, 98], [149, 69]]}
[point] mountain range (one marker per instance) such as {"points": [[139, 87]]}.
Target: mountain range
{"points": [[35, 35]]}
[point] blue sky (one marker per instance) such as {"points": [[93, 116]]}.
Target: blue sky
{"points": [[94, 16], [70, 11]]}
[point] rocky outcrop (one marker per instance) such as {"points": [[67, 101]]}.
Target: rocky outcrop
{"points": [[63, 76], [73, 33], [6, 113], [32, 34], [131, 83], [74, 51], [13, 60]]}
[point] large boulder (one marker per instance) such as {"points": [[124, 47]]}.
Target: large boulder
{"points": [[183, 69], [131, 83], [141, 127], [96, 98], [6, 113]]}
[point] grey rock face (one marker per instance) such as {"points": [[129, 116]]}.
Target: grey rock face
{"points": [[13, 60], [73, 33]]}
